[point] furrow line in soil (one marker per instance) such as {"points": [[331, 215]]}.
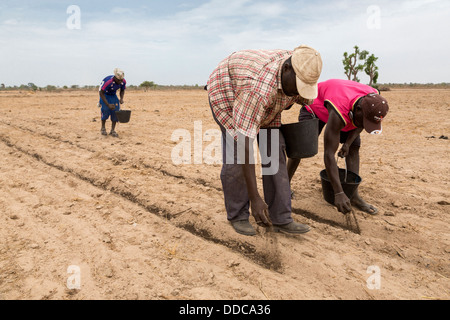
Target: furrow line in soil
{"points": [[124, 158], [206, 231]]}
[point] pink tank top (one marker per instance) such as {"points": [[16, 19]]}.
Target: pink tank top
{"points": [[342, 95]]}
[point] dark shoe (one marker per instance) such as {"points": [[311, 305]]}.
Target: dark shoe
{"points": [[103, 131], [243, 227], [292, 228]]}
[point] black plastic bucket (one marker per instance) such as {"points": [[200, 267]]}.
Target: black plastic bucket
{"points": [[349, 186], [123, 116], [302, 138]]}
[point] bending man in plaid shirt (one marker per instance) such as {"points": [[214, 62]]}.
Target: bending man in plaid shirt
{"points": [[247, 93]]}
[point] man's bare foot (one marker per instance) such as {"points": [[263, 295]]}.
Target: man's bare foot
{"points": [[360, 204]]}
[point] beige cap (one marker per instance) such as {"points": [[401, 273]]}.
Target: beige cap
{"points": [[119, 74], [307, 64]]}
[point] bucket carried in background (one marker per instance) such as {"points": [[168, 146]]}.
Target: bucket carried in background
{"points": [[123, 116], [302, 138], [349, 181]]}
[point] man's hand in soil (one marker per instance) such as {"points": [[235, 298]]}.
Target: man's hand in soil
{"points": [[260, 211]]}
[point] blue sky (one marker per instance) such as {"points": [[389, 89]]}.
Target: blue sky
{"points": [[181, 42]]}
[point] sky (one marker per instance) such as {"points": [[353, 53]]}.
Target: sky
{"points": [[181, 42]]}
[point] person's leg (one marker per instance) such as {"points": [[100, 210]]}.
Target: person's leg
{"points": [[104, 111], [115, 101], [352, 159], [234, 187], [103, 130], [277, 190], [353, 165], [292, 166], [233, 181], [113, 129]]}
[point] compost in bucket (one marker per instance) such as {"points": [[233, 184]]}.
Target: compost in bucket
{"points": [[349, 186], [123, 116], [302, 138]]}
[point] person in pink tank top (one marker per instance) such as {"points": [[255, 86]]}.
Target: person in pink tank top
{"points": [[348, 108]]}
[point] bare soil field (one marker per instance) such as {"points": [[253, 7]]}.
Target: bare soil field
{"points": [[140, 227]]}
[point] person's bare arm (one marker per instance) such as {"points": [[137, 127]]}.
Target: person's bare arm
{"points": [[343, 153], [331, 144], [122, 95]]}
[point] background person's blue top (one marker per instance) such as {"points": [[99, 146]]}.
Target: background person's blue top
{"points": [[110, 87]]}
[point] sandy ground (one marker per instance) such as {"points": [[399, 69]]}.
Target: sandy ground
{"points": [[138, 226]]}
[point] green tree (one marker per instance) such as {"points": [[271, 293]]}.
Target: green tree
{"points": [[148, 85], [351, 65], [371, 69], [32, 86]]}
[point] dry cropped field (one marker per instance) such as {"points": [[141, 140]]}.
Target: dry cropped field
{"points": [[140, 227]]}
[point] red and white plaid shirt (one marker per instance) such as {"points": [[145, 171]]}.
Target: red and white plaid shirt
{"points": [[245, 91]]}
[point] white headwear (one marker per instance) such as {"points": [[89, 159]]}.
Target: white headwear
{"points": [[119, 74]]}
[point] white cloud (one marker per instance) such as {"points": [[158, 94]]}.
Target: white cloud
{"points": [[11, 22], [413, 5], [119, 10]]}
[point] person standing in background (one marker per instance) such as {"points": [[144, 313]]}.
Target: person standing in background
{"points": [[109, 102]]}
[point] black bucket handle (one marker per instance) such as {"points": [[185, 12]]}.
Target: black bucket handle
{"points": [[311, 111], [346, 170]]}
